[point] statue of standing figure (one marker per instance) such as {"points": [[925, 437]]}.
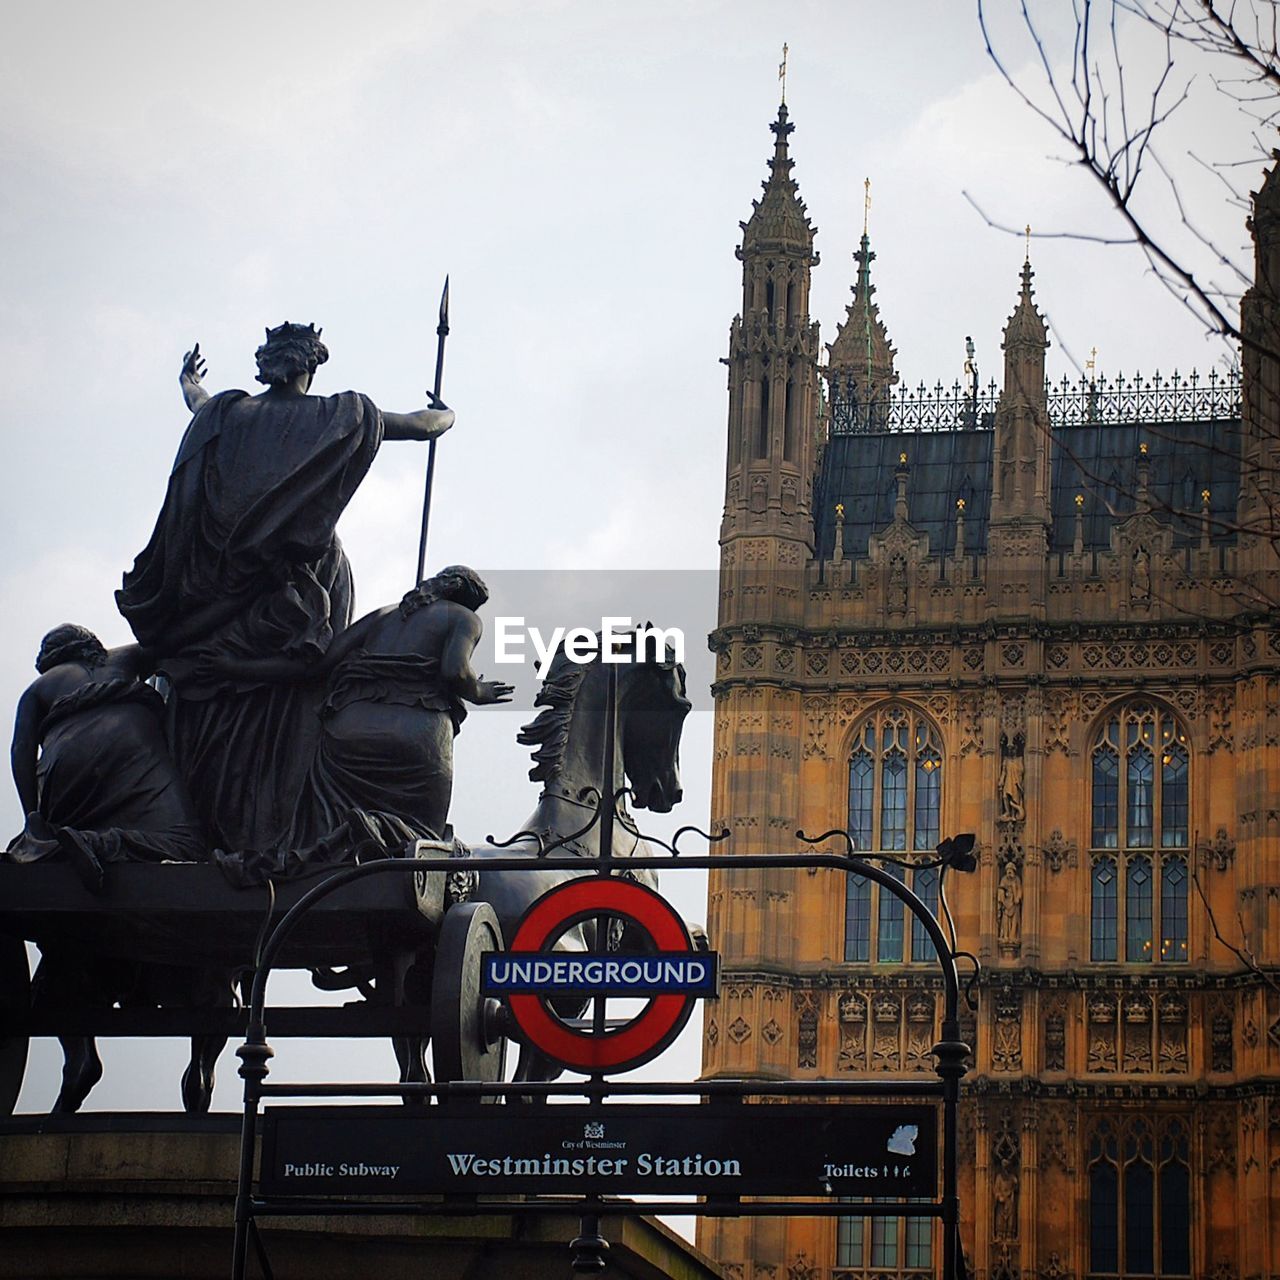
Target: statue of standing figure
{"points": [[246, 539]]}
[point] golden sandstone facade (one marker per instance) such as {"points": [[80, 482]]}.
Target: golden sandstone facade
{"points": [[1049, 618]]}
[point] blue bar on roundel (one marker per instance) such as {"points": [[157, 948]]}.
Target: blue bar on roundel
{"points": [[695, 973]]}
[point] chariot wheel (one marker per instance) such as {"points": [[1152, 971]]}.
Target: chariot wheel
{"points": [[466, 1036], [15, 1003]]}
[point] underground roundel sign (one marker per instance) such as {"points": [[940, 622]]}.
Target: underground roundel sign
{"points": [[557, 998]]}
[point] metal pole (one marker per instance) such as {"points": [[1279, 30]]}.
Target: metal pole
{"points": [[442, 332], [254, 1055]]}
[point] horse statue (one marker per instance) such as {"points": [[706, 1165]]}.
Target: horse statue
{"points": [[569, 737]]}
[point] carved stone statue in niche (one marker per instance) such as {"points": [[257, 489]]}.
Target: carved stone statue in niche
{"points": [[1009, 907], [1004, 1198], [1140, 588], [1013, 805], [896, 596]]}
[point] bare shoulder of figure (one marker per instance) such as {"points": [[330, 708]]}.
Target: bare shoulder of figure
{"points": [[462, 618]]}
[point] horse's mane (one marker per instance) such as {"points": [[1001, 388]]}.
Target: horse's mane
{"points": [[549, 731]]}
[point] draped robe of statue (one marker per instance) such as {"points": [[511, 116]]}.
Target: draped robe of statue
{"points": [[247, 536]]}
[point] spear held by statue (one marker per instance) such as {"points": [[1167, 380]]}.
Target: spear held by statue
{"points": [[442, 332]]}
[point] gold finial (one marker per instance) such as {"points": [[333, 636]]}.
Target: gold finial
{"points": [[782, 74], [1027, 260], [1142, 448], [839, 510], [1079, 501], [960, 505], [1204, 496], [902, 459], [866, 204]]}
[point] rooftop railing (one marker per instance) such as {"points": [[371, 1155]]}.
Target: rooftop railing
{"points": [[1084, 401]]}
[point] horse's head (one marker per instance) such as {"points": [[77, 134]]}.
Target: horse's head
{"points": [[568, 733], [651, 709]]}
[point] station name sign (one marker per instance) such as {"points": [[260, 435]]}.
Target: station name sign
{"points": [[845, 1149], [611, 974]]}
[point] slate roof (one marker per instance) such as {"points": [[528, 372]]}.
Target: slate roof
{"points": [[1098, 460]]}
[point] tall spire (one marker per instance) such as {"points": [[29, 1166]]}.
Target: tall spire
{"points": [[1026, 327], [860, 360], [1022, 457], [779, 218]]}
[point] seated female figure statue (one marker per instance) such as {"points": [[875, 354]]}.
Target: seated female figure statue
{"points": [[383, 764], [92, 765]]}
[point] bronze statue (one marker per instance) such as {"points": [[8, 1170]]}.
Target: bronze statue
{"points": [[246, 536], [104, 787], [393, 701]]}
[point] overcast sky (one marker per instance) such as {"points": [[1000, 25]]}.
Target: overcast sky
{"points": [[174, 172]]}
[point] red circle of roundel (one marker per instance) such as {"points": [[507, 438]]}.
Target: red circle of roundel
{"points": [[652, 1029]]}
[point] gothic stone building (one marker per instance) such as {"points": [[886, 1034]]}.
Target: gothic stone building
{"points": [[1046, 616]]}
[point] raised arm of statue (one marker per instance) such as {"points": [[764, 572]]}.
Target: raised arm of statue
{"points": [[425, 424], [193, 371]]}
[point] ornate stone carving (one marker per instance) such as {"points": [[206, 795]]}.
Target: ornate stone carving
{"points": [[920, 1012], [801, 1268], [1054, 1268], [1006, 1043], [970, 717], [1059, 852], [1102, 1033], [1220, 732], [885, 1050], [853, 1032], [807, 1029], [739, 1030], [818, 715], [1003, 1266], [1173, 1033], [1218, 1132], [1222, 1054], [1219, 851], [1057, 1139], [1137, 1033], [1055, 1038]]}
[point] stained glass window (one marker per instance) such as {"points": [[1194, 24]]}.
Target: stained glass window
{"points": [[895, 807], [1140, 804]]}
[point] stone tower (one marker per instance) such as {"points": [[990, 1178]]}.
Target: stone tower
{"points": [[1046, 616]]}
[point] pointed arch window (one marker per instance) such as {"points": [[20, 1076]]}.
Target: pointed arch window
{"points": [[1139, 820], [1140, 1198], [895, 807]]}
